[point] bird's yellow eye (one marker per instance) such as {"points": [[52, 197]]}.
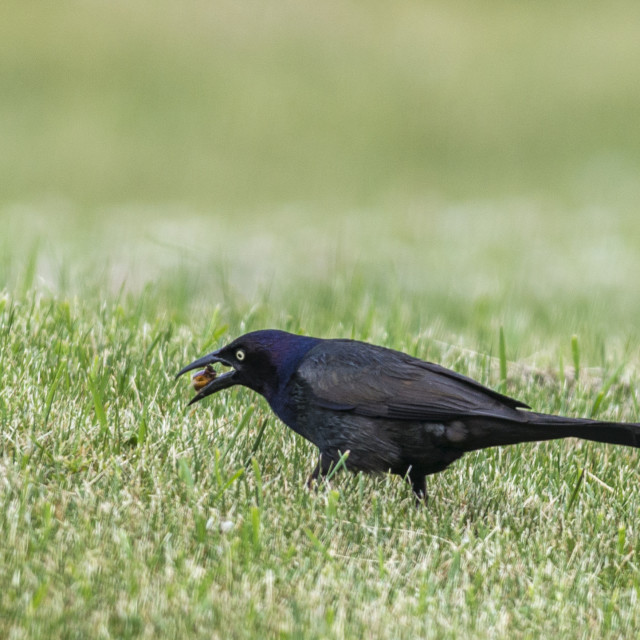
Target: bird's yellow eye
{"points": [[240, 355]]}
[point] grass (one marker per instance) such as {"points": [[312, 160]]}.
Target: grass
{"points": [[455, 181], [126, 515]]}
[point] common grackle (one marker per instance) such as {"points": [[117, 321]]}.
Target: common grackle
{"points": [[390, 411]]}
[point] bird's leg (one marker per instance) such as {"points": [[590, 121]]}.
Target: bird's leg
{"points": [[321, 470], [419, 486]]}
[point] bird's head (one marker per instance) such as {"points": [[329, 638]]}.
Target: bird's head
{"points": [[261, 360]]}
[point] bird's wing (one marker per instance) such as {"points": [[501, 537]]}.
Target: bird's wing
{"points": [[346, 375]]}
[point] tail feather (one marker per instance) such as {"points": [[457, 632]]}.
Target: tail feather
{"points": [[624, 433], [535, 427]]}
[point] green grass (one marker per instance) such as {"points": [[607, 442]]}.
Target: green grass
{"points": [[124, 514], [458, 181]]}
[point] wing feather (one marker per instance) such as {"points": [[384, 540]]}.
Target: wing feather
{"points": [[346, 375]]}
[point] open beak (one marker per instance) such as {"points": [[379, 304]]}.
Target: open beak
{"points": [[218, 383]]}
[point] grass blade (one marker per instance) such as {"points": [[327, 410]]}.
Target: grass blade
{"points": [[503, 361]]}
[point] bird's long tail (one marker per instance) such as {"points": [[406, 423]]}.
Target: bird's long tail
{"points": [[483, 432]]}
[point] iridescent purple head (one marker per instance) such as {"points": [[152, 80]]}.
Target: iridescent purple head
{"points": [[261, 360]]}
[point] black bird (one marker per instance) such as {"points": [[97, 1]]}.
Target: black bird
{"points": [[390, 411]]}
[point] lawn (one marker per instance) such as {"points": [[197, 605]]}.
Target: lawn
{"points": [[426, 177]]}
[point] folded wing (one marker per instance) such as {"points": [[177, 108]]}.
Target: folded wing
{"points": [[347, 375]]}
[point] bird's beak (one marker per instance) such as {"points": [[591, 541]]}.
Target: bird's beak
{"points": [[218, 383]]}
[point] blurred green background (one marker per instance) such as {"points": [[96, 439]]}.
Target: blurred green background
{"points": [[482, 153], [227, 106]]}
